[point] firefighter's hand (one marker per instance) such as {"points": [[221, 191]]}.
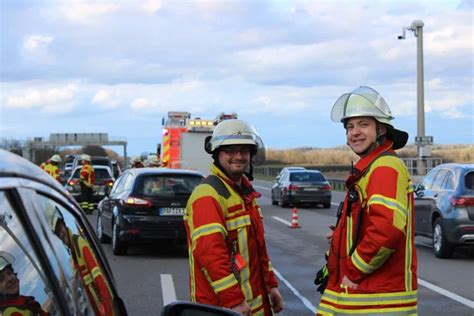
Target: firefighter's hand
{"points": [[329, 235], [348, 283], [243, 308], [276, 301]]}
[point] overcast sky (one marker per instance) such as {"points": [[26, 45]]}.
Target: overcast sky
{"points": [[118, 67]]}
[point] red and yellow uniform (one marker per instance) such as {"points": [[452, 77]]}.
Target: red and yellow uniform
{"points": [[223, 221], [87, 180], [21, 306], [53, 171], [384, 262], [94, 282]]}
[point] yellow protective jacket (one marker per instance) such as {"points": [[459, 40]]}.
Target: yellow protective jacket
{"points": [[53, 171], [87, 175], [377, 225], [223, 220]]}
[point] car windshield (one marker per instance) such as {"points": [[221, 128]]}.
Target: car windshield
{"points": [[166, 184], [99, 174], [306, 177], [469, 180]]}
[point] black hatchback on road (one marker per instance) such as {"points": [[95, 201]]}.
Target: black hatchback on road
{"points": [[444, 207], [144, 205]]}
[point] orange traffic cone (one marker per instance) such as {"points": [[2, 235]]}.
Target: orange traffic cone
{"points": [[294, 219]]}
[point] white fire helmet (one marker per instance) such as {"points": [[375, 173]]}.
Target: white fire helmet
{"points": [[365, 101], [233, 132], [56, 158], [6, 259], [86, 157]]}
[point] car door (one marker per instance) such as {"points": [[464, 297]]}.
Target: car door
{"points": [[109, 203], [423, 201]]}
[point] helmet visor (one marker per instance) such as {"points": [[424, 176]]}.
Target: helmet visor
{"points": [[363, 101]]}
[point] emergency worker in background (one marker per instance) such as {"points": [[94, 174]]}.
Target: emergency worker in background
{"points": [[153, 161], [229, 262], [11, 302], [137, 162], [86, 181], [85, 263], [372, 263], [52, 167]]}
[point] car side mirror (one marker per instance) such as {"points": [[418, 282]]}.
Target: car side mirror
{"points": [[277, 178], [180, 308], [419, 191]]}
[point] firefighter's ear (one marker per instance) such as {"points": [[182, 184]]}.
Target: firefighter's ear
{"points": [[207, 144]]}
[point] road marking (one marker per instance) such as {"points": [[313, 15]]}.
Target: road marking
{"points": [[335, 204], [281, 220], [167, 288], [305, 301], [262, 188], [446, 293]]}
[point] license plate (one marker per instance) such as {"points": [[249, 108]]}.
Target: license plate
{"points": [[311, 189], [170, 211], [98, 189]]}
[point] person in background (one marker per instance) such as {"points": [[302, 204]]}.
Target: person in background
{"points": [[52, 167], [137, 162], [86, 181], [372, 264], [153, 161], [11, 302], [228, 259]]}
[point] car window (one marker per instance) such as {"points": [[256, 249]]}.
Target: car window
{"points": [[162, 185], [438, 181], [79, 263], [427, 182], [306, 177], [117, 185], [22, 279], [449, 183], [99, 173], [127, 183], [469, 180]]}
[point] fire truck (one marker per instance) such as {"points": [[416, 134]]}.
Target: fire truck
{"points": [[182, 145]]}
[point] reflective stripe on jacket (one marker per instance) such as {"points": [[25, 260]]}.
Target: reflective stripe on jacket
{"points": [[384, 262], [87, 175], [219, 215]]}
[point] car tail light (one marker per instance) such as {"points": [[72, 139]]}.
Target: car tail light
{"points": [[327, 187], [292, 187], [136, 202], [109, 183], [72, 182], [462, 201]]}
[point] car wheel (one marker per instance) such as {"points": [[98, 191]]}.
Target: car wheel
{"points": [[441, 247], [284, 202], [118, 247], [327, 205], [274, 202], [100, 230]]}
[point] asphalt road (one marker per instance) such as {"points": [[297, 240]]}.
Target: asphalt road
{"points": [[151, 276]]}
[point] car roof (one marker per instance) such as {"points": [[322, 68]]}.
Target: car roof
{"points": [[455, 165], [154, 170], [305, 171], [12, 165]]}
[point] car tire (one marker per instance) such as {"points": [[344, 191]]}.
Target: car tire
{"points": [[100, 230], [119, 248], [327, 205], [274, 202], [284, 202], [441, 247]]}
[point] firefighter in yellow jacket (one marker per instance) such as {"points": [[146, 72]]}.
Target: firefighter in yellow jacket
{"points": [[86, 181], [85, 263], [372, 260], [52, 166], [229, 262]]}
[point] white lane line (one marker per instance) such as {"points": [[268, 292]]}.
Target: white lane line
{"points": [[281, 220], [262, 188], [335, 204], [446, 293], [167, 288], [305, 301]]}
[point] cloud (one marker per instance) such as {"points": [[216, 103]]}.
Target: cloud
{"points": [[36, 42], [85, 11], [49, 99], [107, 98]]}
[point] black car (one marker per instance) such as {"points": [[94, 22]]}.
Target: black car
{"points": [[43, 238], [444, 207], [146, 204], [299, 186]]}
